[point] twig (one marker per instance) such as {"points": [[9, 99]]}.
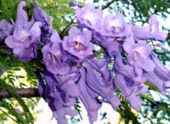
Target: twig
{"points": [[108, 4], [168, 37], [21, 92], [67, 27]]}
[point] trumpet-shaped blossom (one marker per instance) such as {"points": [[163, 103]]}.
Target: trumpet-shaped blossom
{"points": [[78, 44], [5, 29], [160, 70], [88, 16], [25, 36], [139, 56], [113, 26], [90, 102], [53, 56], [46, 21], [151, 31], [99, 79], [61, 99]]}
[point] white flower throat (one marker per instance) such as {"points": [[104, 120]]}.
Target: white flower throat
{"points": [[116, 24], [23, 35], [89, 17]]}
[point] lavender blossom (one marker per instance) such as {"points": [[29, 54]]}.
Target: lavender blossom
{"points": [[25, 36], [130, 80], [135, 101], [113, 26], [46, 28], [160, 70], [78, 44], [162, 73], [139, 56], [91, 104], [53, 56], [88, 16], [95, 81], [58, 98], [99, 79], [5, 29], [150, 31]]}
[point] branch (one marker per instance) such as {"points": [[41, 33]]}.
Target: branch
{"points": [[21, 92], [66, 28], [108, 4], [168, 37]]}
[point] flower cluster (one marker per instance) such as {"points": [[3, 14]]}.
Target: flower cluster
{"points": [[72, 68]]}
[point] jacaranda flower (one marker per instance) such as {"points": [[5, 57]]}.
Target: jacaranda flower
{"points": [[25, 36], [151, 31], [53, 56], [90, 102], [77, 43], [139, 56], [88, 16], [46, 20], [100, 80], [59, 98], [113, 26], [5, 29]]}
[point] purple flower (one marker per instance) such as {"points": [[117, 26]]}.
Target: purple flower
{"points": [[113, 26], [91, 104], [124, 69], [161, 70], [25, 36], [110, 45], [130, 90], [152, 78], [100, 81], [46, 20], [150, 31], [5, 29], [68, 84], [77, 43], [96, 81], [162, 75], [53, 56], [130, 80], [112, 32], [139, 55], [88, 16], [59, 95], [122, 83], [135, 101]]}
